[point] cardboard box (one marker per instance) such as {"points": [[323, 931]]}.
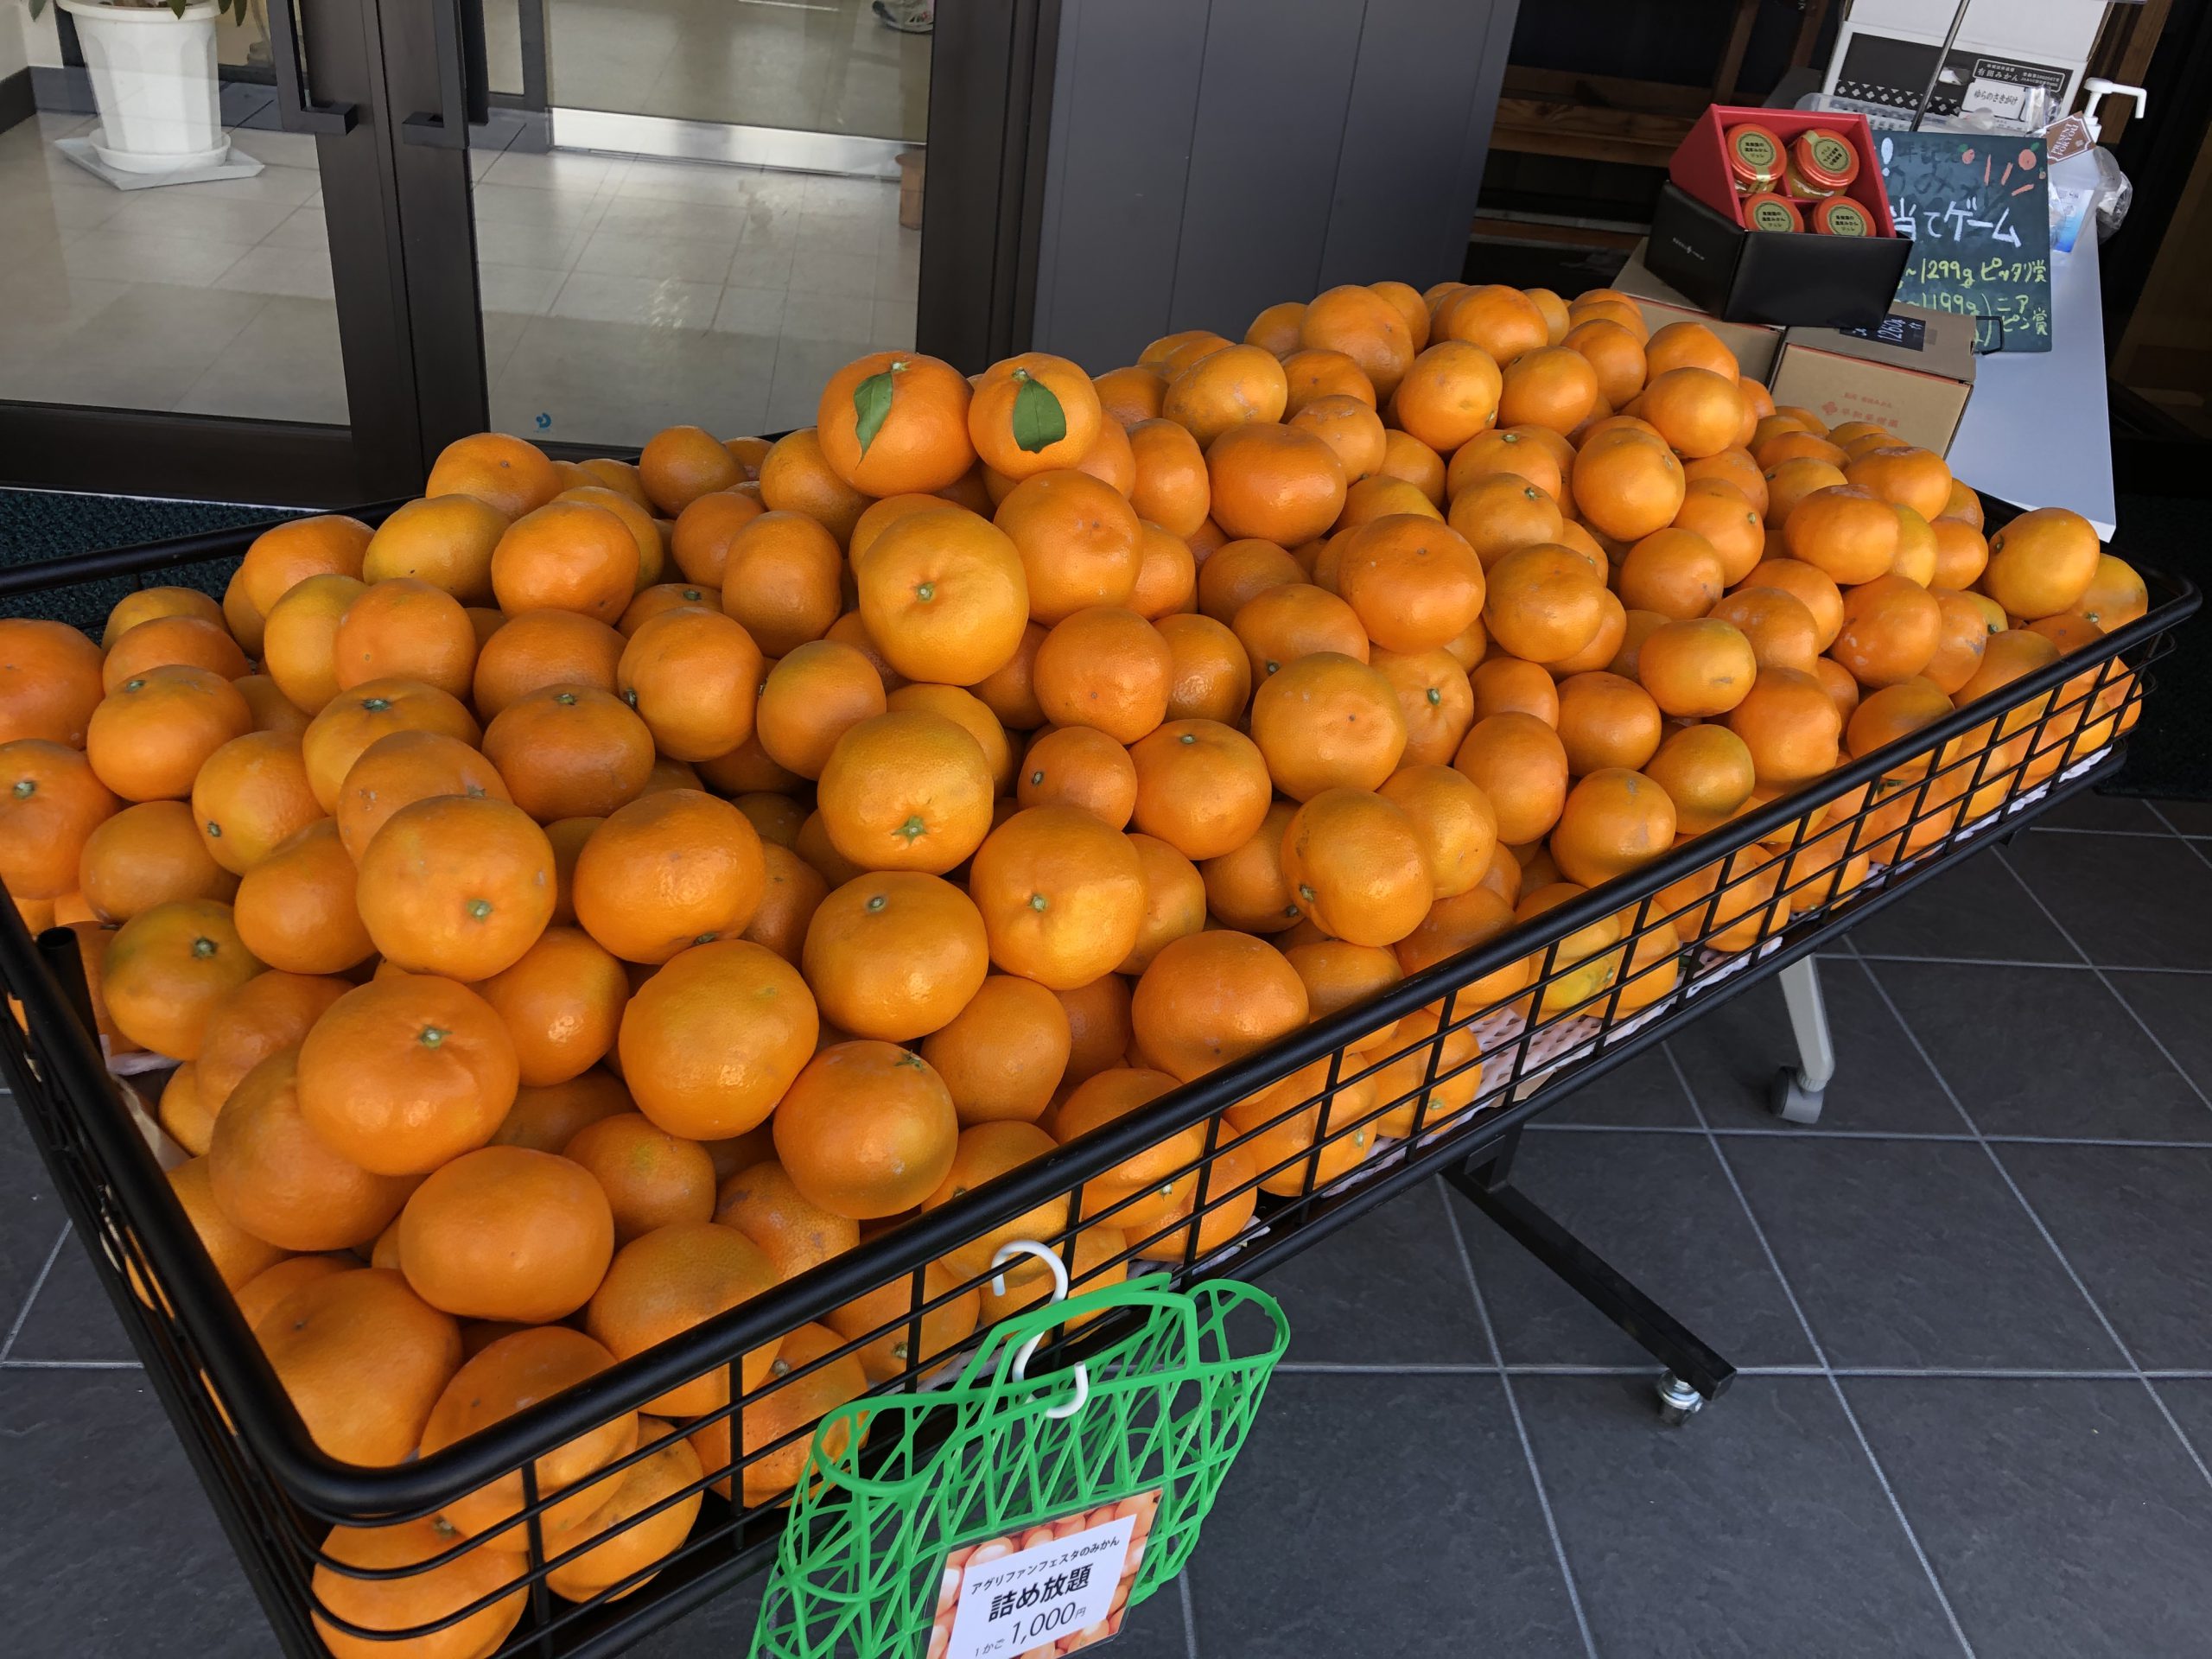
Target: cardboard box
{"points": [[1754, 344], [1913, 376]]}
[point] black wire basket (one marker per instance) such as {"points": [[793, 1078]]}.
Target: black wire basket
{"points": [[1228, 1174]]}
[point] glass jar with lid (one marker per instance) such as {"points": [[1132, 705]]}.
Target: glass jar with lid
{"points": [[1822, 163], [1769, 212], [1841, 216], [1756, 161]]}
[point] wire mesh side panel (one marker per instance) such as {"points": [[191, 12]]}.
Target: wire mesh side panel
{"points": [[1533, 1024], [265, 1527], [582, 1538]]}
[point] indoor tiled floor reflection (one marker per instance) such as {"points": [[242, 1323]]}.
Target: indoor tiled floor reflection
{"points": [[819, 65], [209, 298], [620, 295]]}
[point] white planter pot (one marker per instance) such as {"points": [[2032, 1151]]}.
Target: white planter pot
{"points": [[153, 78]]}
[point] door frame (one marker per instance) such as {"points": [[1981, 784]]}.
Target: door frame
{"points": [[991, 73], [403, 247], [97, 451]]}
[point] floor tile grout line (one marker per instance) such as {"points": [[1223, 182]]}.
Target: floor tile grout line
{"points": [[2007, 1373], [1819, 1352], [2035, 1218], [1190, 1615], [2051, 916], [70, 1365], [492, 371], [2172, 828], [1520, 1426], [1964, 961], [2076, 829], [2151, 807], [2157, 1042], [2190, 842], [1932, 1373], [1754, 1132], [1410, 1368], [2083, 966], [22, 1313]]}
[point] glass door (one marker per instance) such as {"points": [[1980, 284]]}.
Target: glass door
{"points": [[362, 228], [694, 210], [192, 297], [212, 298]]}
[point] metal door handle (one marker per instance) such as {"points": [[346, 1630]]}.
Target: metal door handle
{"points": [[297, 108], [464, 93]]}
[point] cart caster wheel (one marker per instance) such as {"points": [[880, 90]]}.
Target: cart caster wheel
{"points": [[1678, 1402], [1791, 1100]]}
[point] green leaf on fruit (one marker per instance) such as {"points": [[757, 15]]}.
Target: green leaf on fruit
{"points": [[1039, 420], [871, 402]]}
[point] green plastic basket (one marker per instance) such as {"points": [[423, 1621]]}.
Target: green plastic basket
{"points": [[862, 1564]]}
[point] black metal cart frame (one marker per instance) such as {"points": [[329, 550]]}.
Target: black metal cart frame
{"points": [[1437, 1075]]}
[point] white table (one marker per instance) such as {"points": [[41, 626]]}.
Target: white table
{"points": [[2037, 430]]}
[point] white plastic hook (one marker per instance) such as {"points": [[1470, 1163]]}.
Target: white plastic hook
{"points": [[1058, 1268]]}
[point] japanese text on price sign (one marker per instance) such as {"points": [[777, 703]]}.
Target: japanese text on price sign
{"points": [[1977, 209], [1052, 1589]]}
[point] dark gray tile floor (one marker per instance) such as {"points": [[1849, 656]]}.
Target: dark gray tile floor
{"points": [[1973, 1308]]}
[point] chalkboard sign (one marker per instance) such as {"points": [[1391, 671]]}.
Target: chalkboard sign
{"points": [[1977, 207]]}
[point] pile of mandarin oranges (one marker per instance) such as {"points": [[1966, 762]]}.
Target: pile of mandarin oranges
{"points": [[602, 891]]}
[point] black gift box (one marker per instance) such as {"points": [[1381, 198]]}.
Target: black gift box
{"points": [[1794, 278]]}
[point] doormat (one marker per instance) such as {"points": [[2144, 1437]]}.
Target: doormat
{"points": [[39, 525]]}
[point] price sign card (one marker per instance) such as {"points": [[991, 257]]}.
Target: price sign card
{"points": [[1052, 1588], [1977, 207]]}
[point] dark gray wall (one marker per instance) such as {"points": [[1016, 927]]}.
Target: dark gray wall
{"points": [[1210, 157]]}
